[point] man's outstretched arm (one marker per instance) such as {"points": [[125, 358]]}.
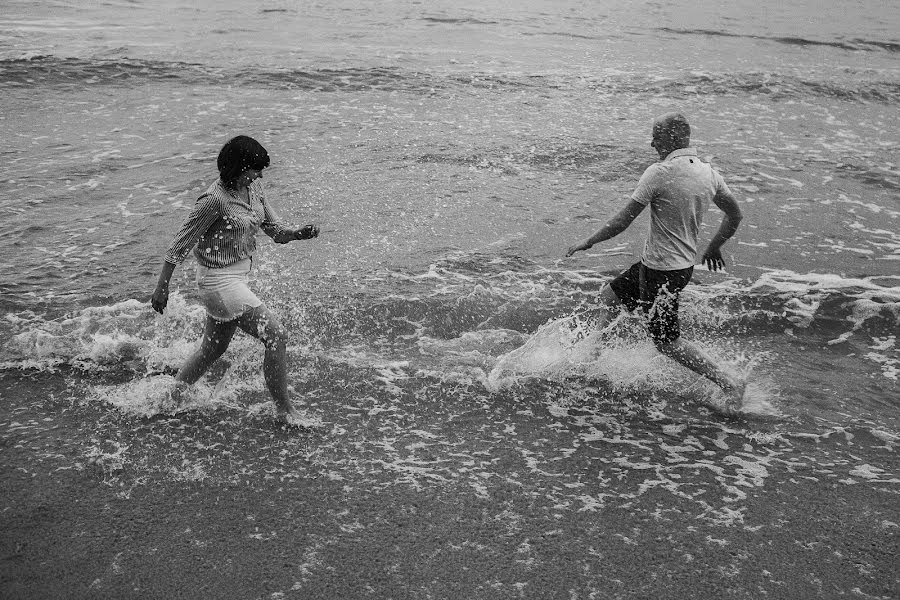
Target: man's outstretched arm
{"points": [[713, 255], [613, 227]]}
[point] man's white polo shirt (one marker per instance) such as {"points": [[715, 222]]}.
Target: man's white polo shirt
{"points": [[678, 190]]}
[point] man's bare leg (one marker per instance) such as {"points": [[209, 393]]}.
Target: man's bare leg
{"points": [[680, 350], [608, 307], [691, 356]]}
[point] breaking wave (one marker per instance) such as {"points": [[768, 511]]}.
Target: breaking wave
{"points": [[57, 71]]}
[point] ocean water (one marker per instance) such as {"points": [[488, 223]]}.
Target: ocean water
{"points": [[451, 152]]}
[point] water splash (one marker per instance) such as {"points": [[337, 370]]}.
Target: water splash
{"points": [[105, 338], [158, 395], [760, 396]]}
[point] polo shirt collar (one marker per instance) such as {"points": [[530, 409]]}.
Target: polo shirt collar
{"points": [[681, 152]]}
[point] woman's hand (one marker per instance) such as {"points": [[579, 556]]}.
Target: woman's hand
{"points": [[160, 296], [160, 299], [307, 233]]}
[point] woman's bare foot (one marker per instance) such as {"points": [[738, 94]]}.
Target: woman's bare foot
{"points": [[176, 396], [291, 417], [285, 414]]}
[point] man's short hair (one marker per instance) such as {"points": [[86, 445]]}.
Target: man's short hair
{"points": [[675, 126]]}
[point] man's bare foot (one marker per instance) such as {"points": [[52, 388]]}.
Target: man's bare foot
{"points": [[734, 397], [730, 402]]}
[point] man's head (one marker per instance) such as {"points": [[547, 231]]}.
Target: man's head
{"points": [[670, 132]]}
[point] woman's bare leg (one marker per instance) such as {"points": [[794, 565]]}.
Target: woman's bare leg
{"points": [[216, 337], [266, 327]]}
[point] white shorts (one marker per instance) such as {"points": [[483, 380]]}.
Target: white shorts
{"points": [[224, 292]]}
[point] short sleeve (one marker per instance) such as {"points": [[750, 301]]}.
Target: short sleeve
{"points": [[719, 182], [646, 187]]}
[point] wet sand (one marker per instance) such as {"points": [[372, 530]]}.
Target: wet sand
{"points": [[69, 536], [76, 528]]}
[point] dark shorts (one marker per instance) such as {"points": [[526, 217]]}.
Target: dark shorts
{"points": [[656, 293]]}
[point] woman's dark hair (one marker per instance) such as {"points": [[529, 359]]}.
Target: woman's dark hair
{"points": [[238, 155]]}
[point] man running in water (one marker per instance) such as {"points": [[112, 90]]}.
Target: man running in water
{"points": [[678, 190]]}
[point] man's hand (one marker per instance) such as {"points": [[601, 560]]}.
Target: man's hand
{"points": [[614, 227], [713, 260], [307, 233], [160, 299], [577, 248]]}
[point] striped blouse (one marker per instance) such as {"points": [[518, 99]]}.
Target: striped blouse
{"points": [[223, 227]]}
